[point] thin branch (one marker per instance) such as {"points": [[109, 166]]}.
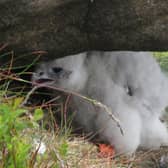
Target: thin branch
{"points": [[94, 102], [3, 46], [28, 95], [66, 106]]}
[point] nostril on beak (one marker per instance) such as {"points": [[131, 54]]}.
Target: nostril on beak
{"points": [[41, 73]]}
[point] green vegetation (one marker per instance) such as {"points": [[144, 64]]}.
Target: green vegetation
{"points": [[23, 142], [162, 58], [14, 121]]}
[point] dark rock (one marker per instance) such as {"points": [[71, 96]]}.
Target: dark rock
{"points": [[62, 27]]}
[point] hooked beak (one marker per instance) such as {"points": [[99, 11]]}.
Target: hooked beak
{"points": [[43, 81]]}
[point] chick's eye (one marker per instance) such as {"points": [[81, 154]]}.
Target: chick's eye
{"points": [[57, 69], [41, 73]]}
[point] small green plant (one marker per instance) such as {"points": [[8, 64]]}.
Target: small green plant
{"points": [[63, 149], [162, 58], [14, 147]]}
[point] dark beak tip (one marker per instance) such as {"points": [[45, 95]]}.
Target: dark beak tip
{"points": [[41, 81]]}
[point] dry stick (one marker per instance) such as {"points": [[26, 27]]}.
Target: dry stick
{"points": [[65, 107], [28, 95], [94, 102], [3, 46], [52, 100], [11, 62], [34, 155], [131, 162]]}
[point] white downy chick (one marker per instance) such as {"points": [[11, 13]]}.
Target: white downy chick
{"points": [[130, 83]]}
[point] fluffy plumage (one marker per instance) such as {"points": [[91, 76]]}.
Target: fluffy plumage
{"points": [[130, 83]]}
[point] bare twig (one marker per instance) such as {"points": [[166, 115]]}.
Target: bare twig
{"points": [[3, 46], [28, 95], [11, 62], [94, 102], [66, 106]]}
